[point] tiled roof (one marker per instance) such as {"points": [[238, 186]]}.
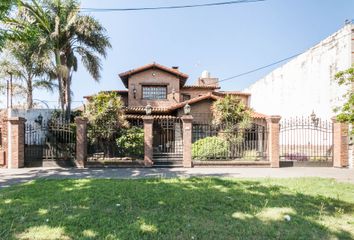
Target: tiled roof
{"points": [[142, 110], [257, 115], [199, 87], [125, 75], [139, 116], [232, 93], [194, 100]]}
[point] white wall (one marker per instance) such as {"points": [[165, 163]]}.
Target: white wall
{"points": [[32, 114], [306, 83]]}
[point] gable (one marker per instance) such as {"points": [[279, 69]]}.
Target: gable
{"points": [[154, 66]]}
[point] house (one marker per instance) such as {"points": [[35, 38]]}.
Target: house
{"points": [[165, 90]]}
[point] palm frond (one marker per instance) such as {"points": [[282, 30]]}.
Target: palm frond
{"points": [[91, 62]]}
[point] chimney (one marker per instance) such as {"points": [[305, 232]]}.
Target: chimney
{"points": [[175, 67]]}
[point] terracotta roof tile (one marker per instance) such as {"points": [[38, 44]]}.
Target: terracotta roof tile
{"points": [[125, 75], [232, 93], [199, 87], [257, 115]]}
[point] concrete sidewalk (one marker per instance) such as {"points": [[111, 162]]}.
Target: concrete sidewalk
{"points": [[9, 177]]}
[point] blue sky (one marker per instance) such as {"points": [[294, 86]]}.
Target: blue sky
{"points": [[226, 40]]}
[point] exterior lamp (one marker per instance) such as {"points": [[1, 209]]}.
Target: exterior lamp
{"points": [[173, 93], [39, 119], [314, 118], [187, 109], [148, 109]]}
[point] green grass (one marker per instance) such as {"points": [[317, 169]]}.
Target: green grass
{"points": [[195, 208]]}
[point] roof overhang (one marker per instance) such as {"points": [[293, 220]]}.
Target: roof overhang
{"points": [[125, 75]]}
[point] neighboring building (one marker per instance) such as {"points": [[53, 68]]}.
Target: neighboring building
{"points": [[306, 83], [166, 91]]}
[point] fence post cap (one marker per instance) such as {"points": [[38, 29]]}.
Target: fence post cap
{"points": [[187, 118], [16, 119], [81, 120], [334, 119], [273, 119], [148, 119]]}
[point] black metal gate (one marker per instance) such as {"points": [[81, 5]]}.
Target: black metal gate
{"points": [[49, 143], [306, 141], [167, 139]]}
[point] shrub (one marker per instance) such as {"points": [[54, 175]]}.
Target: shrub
{"points": [[132, 142], [210, 148], [250, 155]]}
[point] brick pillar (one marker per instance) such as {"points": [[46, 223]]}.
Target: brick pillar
{"points": [[81, 141], [148, 140], [340, 144], [3, 142], [16, 139], [273, 140], [187, 140]]}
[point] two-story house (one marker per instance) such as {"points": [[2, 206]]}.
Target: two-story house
{"points": [[165, 90]]}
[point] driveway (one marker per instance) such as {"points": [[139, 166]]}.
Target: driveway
{"points": [[13, 176]]}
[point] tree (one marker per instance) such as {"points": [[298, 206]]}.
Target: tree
{"points": [[106, 119], [233, 115], [69, 34], [346, 112], [5, 7], [29, 66]]}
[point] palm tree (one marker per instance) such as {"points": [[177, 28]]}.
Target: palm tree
{"points": [[69, 34], [29, 66]]}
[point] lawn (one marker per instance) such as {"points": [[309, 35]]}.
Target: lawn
{"points": [[195, 208]]}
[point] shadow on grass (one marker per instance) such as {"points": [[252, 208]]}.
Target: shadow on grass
{"points": [[195, 208]]}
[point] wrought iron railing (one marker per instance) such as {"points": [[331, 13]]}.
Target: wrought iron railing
{"points": [[306, 139], [228, 142]]}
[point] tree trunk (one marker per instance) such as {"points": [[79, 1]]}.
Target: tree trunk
{"points": [[29, 93], [60, 79], [68, 97]]}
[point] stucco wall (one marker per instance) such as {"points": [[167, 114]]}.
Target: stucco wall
{"points": [[201, 111], [32, 114], [153, 77], [306, 83]]}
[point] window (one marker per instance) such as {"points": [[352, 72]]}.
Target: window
{"points": [[154, 92], [186, 97]]}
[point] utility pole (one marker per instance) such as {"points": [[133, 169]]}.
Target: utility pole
{"points": [[9, 92]]}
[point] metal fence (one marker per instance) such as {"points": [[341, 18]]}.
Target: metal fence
{"points": [[167, 137], [106, 144], [306, 139], [49, 140], [227, 142]]}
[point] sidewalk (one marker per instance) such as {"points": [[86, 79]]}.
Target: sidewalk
{"points": [[13, 176]]}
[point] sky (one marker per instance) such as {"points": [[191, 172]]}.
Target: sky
{"points": [[225, 40]]}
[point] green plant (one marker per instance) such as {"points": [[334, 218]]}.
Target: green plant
{"points": [[250, 155], [132, 142], [210, 148], [69, 36], [346, 111], [106, 119], [233, 115]]}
